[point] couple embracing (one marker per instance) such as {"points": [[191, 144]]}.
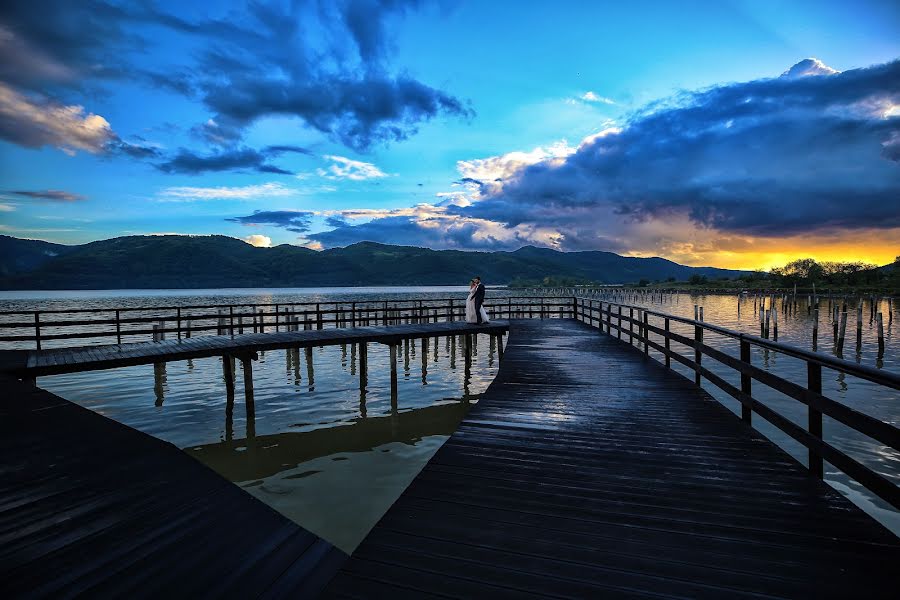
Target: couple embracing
{"points": [[475, 312]]}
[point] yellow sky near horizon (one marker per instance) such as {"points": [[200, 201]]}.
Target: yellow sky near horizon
{"points": [[875, 246]]}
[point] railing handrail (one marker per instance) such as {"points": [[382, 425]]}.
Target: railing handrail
{"points": [[880, 376], [811, 395], [248, 304], [287, 314]]}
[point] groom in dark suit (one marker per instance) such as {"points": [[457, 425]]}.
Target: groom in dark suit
{"points": [[478, 298]]}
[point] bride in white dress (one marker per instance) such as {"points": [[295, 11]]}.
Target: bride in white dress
{"points": [[471, 315]]}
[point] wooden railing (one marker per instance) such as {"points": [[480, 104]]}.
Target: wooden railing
{"points": [[116, 324], [638, 325]]}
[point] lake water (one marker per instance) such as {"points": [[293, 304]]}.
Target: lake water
{"points": [[334, 460]]}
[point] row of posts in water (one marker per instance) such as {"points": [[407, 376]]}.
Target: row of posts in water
{"points": [[837, 310]]}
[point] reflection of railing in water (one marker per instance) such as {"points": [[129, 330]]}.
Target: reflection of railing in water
{"points": [[234, 319], [613, 319]]}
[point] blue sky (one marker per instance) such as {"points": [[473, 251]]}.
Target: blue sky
{"points": [[472, 125]]}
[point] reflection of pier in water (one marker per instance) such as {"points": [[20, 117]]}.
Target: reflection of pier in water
{"points": [[429, 350], [266, 455]]}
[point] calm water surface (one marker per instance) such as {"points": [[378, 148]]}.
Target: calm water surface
{"points": [[334, 460]]}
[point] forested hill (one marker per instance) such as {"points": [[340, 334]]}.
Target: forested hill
{"points": [[220, 261]]}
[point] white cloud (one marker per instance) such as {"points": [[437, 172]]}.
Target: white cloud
{"points": [[260, 241], [494, 171], [354, 170], [807, 67], [600, 134], [247, 192], [592, 97], [34, 123], [7, 207]]}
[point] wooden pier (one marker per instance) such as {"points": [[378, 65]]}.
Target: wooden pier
{"points": [[90, 507], [587, 470]]}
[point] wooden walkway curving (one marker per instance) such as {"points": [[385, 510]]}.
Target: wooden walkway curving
{"points": [[585, 471], [91, 507], [111, 356]]}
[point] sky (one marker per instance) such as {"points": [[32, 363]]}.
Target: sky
{"points": [[738, 134]]}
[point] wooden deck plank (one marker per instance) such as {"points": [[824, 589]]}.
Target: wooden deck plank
{"points": [[91, 507], [586, 470]]}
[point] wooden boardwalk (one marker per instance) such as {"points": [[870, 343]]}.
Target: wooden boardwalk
{"points": [[585, 471], [111, 356], [91, 507]]}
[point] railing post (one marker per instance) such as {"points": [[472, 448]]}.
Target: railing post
{"points": [[814, 384], [646, 334], [575, 307], [319, 316], [619, 322], [668, 346], [698, 337], [231, 320], [178, 322], [746, 382], [118, 329], [37, 329], [384, 316]]}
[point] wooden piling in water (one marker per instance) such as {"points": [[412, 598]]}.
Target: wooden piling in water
{"points": [[843, 331], [859, 317], [879, 321], [815, 337]]}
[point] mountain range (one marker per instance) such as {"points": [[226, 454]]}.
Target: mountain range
{"points": [[172, 261]]}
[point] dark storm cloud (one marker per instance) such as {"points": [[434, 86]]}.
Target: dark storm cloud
{"points": [[292, 220], [324, 62], [813, 150], [336, 221], [51, 195], [138, 149], [240, 158], [769, 157], [403, 230]]}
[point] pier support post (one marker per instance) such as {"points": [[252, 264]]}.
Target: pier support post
{"points": [[247, 365], [424, 353], [363, 366], [159, 379], [228, 374], [310, 373], [393, 351], [500, 346]]}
